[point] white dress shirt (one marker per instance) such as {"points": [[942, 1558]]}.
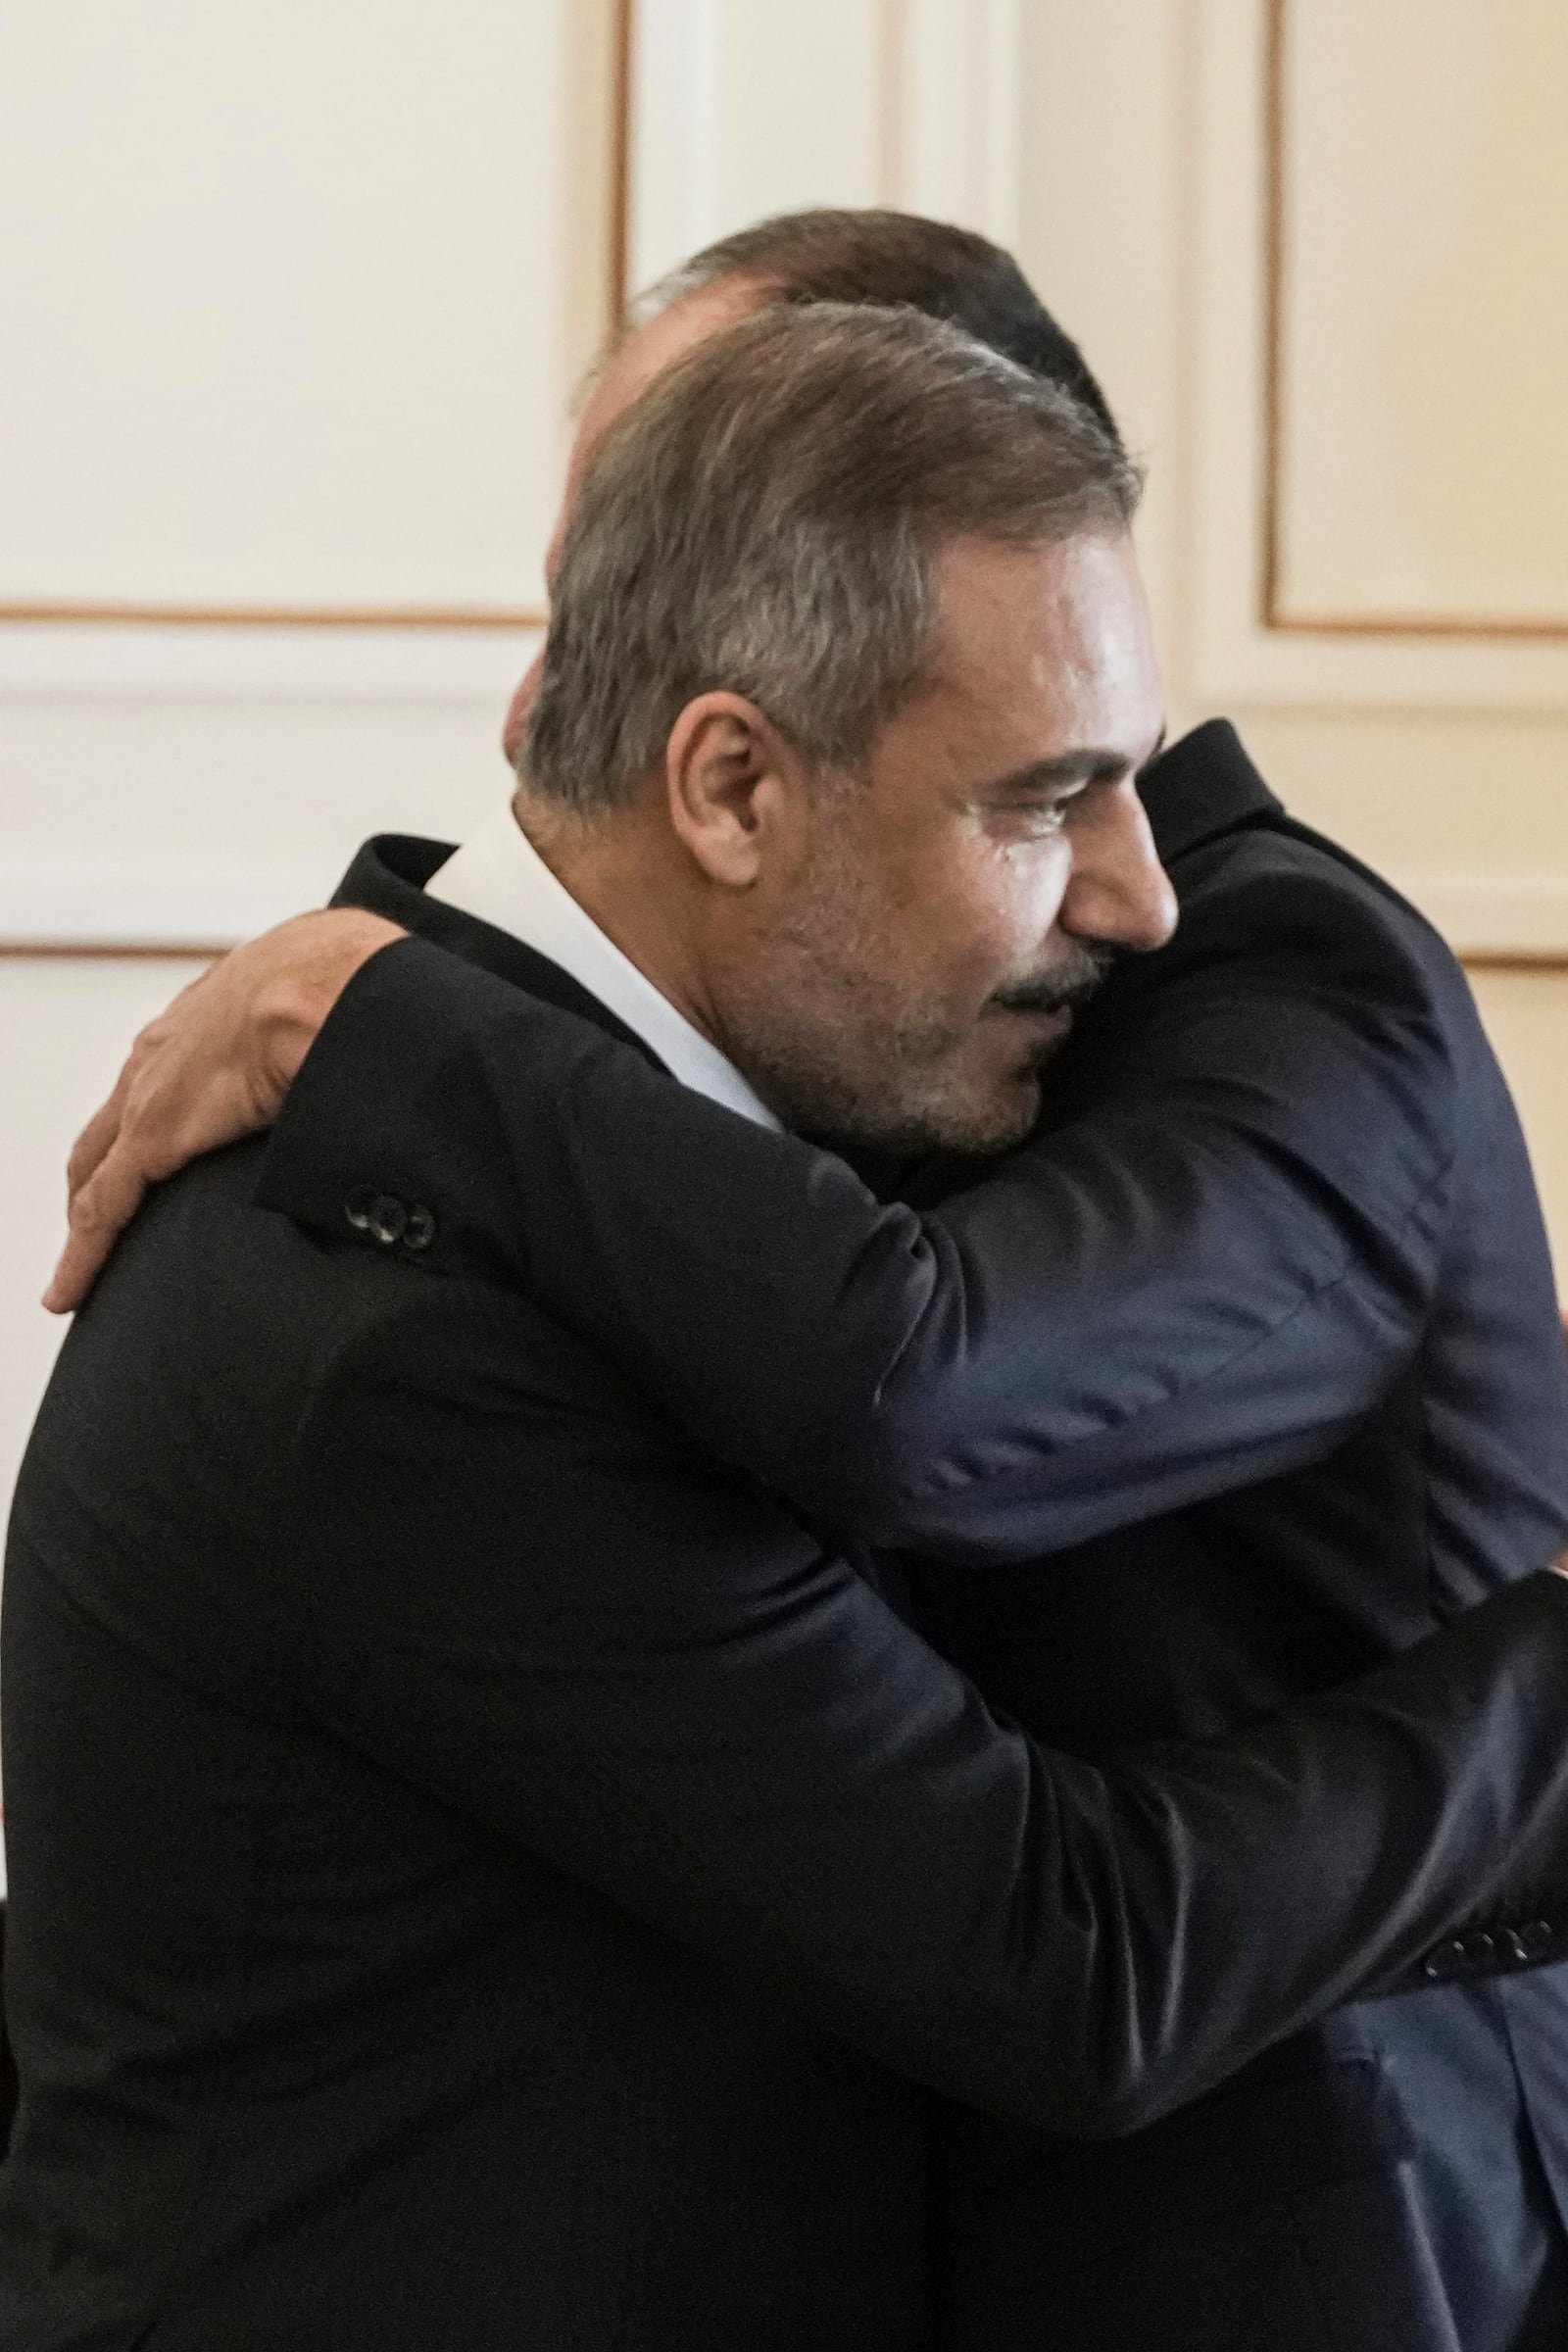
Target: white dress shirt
{"points": [[500, 876]]}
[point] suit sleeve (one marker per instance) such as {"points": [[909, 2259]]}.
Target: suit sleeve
{"points": [[513, 1586], [1201, 1277]]}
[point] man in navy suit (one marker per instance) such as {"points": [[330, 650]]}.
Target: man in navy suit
{"points": [[1254, 1342]]}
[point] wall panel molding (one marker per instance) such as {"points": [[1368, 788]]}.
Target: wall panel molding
{"points": [[149, 662], [399, 729], [303, 177], [617, 251], [1496, 918], [1280, 100], [1239, 658]]}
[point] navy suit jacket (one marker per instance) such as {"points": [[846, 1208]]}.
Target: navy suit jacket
{"points": [[1245, 1374]]}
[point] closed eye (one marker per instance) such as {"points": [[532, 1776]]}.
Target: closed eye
{"points": [[1038, 821]]}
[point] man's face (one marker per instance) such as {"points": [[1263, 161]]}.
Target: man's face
{"points": [[901, 976], [912, 951]]}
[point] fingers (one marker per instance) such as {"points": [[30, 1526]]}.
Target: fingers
{"points": [[105, 1124], [122, 1149], [150, 1127], [96, 1137], [102, 1205], [102, 1176], [215, 1066]]}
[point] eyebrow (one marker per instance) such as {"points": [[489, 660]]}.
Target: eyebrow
{"points": [[1072, 770]]}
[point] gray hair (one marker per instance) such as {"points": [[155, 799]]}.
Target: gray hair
{"points": [[766, 520]]}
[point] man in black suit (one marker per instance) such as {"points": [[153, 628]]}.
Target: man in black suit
{"points": [[1032, 2244], [1279, 1185]]}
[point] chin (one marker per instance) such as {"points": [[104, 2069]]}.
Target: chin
{"points": [[985, 1112], [994, 1126], [903, 1105], [976, 1124]]}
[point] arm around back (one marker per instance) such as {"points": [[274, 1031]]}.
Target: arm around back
{"points": [[512, 1584]]}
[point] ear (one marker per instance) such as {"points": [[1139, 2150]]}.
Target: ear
{"points": [[731, 780]]}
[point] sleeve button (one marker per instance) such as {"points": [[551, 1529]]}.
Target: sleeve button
{"points": [[1448, 1960], [388, 1219], [360, 1206], [419, 1230]]}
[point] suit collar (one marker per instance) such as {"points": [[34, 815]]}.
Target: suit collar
{"points": [[1204, 786], [388, 876]]}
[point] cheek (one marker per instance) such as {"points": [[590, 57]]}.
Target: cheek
{"points": [[1009, 907]]}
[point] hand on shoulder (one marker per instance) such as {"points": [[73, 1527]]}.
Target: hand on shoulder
{"points": [[215, 1066]]}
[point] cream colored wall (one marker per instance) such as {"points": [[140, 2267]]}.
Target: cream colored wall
{"points": [[1420, 471]]}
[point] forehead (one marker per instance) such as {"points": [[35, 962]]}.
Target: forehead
{"points": [[1052, 644]]}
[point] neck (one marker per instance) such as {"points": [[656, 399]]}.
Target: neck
{"points": [[628, 873]]}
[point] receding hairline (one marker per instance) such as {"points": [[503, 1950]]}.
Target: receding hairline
{"points": [[662, 300]]}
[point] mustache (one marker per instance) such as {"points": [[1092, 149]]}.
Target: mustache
{"points": [[1066, 987]]}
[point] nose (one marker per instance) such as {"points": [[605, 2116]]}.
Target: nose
{"points": [[1118, 891]]}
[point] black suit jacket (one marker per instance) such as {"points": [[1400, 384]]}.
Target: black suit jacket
{"points": [[1258, 1341], [8, 2073], [445, 1810]]}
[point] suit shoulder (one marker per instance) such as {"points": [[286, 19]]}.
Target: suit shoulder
{"points": [[1298, 992], [1278, 889]]}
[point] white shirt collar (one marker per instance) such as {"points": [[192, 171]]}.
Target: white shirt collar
{"points": [[500, 876]]}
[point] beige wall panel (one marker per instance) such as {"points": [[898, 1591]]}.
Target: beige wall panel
{"points": [[1423, 466], [168, 818], [290, 299], [1221, 102], [1466, 811]]}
